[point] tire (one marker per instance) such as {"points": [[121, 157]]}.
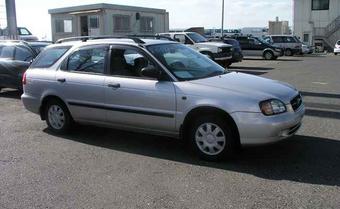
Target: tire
{"points": [[275, 58], [212, 138], [226, 64], [57, 116], [268, 55], [288, 52], [334, 54]]}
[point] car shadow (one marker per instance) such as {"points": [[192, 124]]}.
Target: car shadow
{"points": [[250, 68], [279, 59], [302, 159], [11, 94]]}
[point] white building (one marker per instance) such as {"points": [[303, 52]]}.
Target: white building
{"points": [[279, 27], [107, 19], [317, 22]]}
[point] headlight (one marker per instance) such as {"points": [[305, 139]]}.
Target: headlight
{"points": [[219, 50], [272, 107]]}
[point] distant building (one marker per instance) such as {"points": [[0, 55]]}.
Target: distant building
{"points": [[278, 27], [317, 22], [107, 19]]}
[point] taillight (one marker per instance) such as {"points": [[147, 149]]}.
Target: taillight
{"points": [[24, 79]]}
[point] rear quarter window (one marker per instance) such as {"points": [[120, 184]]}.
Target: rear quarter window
{"points": [[49, 56]]}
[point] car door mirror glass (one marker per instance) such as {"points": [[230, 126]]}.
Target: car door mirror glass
{"points": [[151, 72]]}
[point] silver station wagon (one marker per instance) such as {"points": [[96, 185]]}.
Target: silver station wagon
{"points": [[159, 87]]}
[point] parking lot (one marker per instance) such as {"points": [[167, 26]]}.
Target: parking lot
{"points": [[102, 168]]}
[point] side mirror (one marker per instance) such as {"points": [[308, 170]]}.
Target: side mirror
{"points": [[151, 72]]}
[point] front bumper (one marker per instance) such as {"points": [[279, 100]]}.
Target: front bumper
{"points": [[222, 56], [256, 128], [336, 50]]}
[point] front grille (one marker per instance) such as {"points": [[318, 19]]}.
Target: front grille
{"points": [[226, 50], [296, 102]]}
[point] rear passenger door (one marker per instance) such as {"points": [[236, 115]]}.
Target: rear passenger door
{"points": [[81, 81]]}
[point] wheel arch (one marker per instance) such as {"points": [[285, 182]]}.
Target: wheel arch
{"points": [[44, 102], [202, 110]]}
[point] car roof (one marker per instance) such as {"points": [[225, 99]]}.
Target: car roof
{"points": [[125, 41]]}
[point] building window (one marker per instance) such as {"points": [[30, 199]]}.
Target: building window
{"points": [[320, 4], [94, 22], [121, 23], [63, 26], [306, 38], [146, 24]]}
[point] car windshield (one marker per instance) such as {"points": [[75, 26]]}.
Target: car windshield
{"points": [[197, 38], [185, 63]]}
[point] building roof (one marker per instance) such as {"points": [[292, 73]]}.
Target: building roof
{"points": [[104, 6]]}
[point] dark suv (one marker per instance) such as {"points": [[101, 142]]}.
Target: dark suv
{"points": [[252, 46], [237, 55], [15, 58]]}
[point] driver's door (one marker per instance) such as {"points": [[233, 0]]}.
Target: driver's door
{"points": [[136, 101]]}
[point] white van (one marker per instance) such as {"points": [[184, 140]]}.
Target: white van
{"points": [[287, 42]]}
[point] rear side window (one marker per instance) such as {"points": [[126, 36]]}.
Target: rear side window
{"points": [[49, 56], [88, 60], [23, 54], [7, 52]]}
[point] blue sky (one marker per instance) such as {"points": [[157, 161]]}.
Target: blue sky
{"points": [[183, 13]]}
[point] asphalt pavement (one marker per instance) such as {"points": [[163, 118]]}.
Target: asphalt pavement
{"points": [[102, 168]]}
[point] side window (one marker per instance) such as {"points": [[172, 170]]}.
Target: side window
{"points": [[180, 38], [183, 39], [128, 62], [288, 39], [88, 60], [7, 52], [277, 39], [49, 56], [23, 54]]}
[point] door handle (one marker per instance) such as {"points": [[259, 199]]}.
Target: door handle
{"points": [[61, 80], [114, 86]]}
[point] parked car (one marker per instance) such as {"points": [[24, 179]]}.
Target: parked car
{"points": [[23, 33], [337, 47], [237, 51], [38, 46], [252, 46], [168, 89], [15, 58], [289, 43], [305, 48], [217, 51]]}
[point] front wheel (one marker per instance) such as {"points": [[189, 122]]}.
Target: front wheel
{"points": [[268, 55], [57, 117], [212, 138]]}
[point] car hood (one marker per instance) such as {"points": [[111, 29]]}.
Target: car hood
{"points": [[250, 86], [215, 44]]}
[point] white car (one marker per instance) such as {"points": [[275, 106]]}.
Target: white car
{"points": [[337, 48], [217, 51]]}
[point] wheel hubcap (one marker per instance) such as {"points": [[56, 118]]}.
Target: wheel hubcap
{"points": [[210, 139], [56, 117]]}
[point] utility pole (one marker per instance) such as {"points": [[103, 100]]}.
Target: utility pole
{"points": [[11, 19], [222, 31]]}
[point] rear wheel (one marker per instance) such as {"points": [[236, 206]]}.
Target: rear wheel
{"points": [[57, 117], [268, 55], [288, 52], [334, 54], [212, 138]]}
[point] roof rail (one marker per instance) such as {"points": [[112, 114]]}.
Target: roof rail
{"points": [[157, 37], [86, 38]]}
